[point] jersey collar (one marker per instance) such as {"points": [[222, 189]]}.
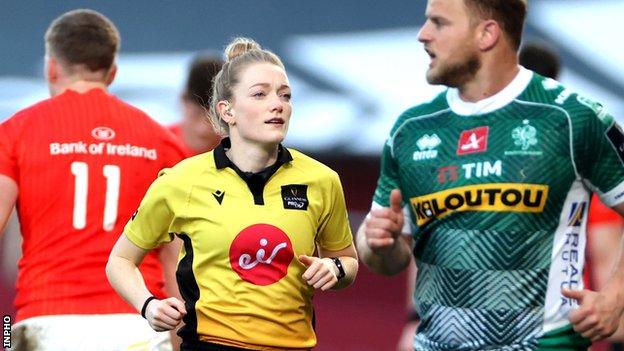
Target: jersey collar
{"points": [[255, 181], [493, 103], [222, 161]]}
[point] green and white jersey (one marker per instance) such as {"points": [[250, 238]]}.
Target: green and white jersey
{"points": [[498, 193]]}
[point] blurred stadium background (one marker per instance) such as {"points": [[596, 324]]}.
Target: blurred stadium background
{"points": [[354, 66]]}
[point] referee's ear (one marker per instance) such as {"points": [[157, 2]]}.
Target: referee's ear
{"points": [[224, 111]]}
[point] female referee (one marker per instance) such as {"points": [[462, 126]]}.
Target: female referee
{"points": [[251, 214]]}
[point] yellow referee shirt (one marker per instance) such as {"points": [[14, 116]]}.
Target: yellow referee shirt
{"points": [[238, 271]]}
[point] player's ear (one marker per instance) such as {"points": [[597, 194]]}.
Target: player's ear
{"points": [[488, 34], [110, 75], [51, 69]]}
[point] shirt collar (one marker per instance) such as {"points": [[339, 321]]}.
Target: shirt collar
{"points": [[222, 161], [493, 103]]}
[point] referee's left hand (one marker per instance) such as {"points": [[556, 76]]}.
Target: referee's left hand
{"points": [[321, 273]]}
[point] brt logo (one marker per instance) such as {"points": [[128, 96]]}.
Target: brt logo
{"points": [[494, 197]]}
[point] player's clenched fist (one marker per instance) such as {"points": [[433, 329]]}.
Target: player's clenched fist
{"points": [[383, 225], [165, 314], [598, 314]]}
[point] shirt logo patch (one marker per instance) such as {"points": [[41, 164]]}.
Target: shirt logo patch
{"points": [[616, 138], [525, 138], [295, 196], [473, 141], [218, 195], [103, 133], [577, 212], [261, 253], [427, 147]]}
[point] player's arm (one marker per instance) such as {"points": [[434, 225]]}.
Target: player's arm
{"points": [[597, 143], [600, 313], [378, 238], [616, 280], [618, 336], [8, 189], [124, 276], [604, 235]]}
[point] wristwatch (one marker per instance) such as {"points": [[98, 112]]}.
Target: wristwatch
{"points": [[341, 271]]}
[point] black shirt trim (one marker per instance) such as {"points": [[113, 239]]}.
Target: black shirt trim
{"points": [[255, 181], [188, 289]]}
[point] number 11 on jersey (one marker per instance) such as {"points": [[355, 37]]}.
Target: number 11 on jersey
{"points": [[80, 170]]}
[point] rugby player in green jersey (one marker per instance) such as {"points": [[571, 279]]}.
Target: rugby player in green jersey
{"points": [[493, 178]]}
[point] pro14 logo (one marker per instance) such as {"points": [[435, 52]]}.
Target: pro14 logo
{"points": [[476, 169], [295, 196], [494, 197], [427, 147]]}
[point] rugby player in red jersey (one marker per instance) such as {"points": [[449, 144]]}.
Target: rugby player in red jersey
{"points": [[76, 165]]}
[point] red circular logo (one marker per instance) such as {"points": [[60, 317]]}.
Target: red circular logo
{"points": [[261, 254]]}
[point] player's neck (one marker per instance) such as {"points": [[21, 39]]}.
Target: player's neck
{"points": [[79, 86], [251, 157], [495, 74]]}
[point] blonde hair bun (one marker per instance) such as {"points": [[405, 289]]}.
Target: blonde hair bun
{"points": [[239, 46]]}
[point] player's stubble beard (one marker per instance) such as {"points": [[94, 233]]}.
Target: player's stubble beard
{"points": [[456, 74]]}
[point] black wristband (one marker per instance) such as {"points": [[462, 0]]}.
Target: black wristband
{"points": [[341, 271], [144, 308]]}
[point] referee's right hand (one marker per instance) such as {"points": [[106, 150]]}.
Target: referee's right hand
{"points": [[165, 314], [384, 225]]}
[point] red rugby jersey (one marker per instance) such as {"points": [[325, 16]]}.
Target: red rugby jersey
{"points": [[600, 214], [82, 163]]}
